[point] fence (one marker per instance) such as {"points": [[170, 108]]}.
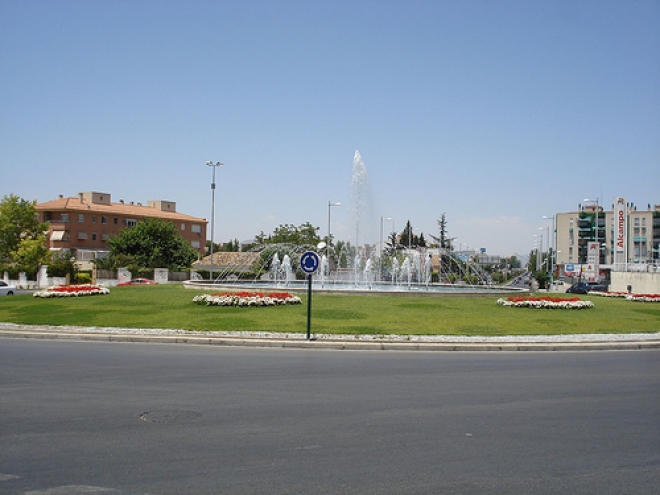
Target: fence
{"points": [[104, 277]]}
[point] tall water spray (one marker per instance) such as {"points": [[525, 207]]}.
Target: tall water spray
{"points": [[360, 199]]}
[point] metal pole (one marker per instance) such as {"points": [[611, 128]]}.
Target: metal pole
{"points": [[327, 249], [309, 306], [213, 166]]}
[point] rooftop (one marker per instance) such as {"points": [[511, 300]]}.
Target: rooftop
{"points": [[100, 203]]}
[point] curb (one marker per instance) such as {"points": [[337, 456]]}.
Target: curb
{"points": [[383, 345]]}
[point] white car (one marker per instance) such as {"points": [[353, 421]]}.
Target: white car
{"points": [[6, 289]]}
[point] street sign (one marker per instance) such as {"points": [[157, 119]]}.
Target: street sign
{"points": [[309, 262]]}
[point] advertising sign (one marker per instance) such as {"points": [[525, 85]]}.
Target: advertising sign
{"points": [[620, 233], [591, 273]]}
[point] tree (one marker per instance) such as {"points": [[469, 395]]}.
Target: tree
{"points": [[409, 239], [304, 235], [216, 247], [154, 243], [443, 240], [22, 236], [31, 254], [392, 245], [230, 247]]}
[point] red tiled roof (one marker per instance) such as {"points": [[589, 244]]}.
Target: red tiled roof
{"points": [[130, 210], [223, 259]]}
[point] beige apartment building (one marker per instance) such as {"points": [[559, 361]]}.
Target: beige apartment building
{"points": [[625, 237], [84, 223]]}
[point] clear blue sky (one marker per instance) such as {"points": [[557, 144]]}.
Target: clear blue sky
{"points": [[494, 112]]}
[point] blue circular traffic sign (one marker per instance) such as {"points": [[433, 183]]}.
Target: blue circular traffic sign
{"points": [[309, 262]]}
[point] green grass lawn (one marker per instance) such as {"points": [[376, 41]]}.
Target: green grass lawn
{"points": [[171, 306]]}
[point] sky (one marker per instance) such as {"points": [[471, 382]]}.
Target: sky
{"points": [[494, 113]]}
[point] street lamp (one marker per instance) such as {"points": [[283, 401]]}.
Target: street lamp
{"points": [[380, 248], [553, 239], [327, 251], [213, 166], [547, 240]]}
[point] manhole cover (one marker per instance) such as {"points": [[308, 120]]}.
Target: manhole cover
{"points": [[169, 416]]}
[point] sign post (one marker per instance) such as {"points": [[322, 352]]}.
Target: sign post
{"points": [[309, 263]]}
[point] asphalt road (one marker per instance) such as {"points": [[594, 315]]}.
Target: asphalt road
{"points": [[103, 418]]}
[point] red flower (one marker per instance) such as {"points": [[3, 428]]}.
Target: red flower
{"points": [[543, 298]]}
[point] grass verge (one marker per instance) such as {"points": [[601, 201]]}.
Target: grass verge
{"points": [[171, 306]]}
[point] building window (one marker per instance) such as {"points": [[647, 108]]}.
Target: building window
{"points": [[105, 237], [195, 244], [104, 219], [183, 226], [82, 236], [196, 229], [64, 218], [47, 216], [93, 218], [93, 237], [129, 222], [115, 221], [81, 218]]}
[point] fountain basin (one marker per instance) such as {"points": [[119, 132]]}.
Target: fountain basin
{"points": [[376, 288]]}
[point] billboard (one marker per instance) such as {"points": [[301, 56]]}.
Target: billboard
{"points": [[620, 234]]}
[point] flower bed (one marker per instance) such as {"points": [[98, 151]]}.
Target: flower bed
{"points": [[643, 297], [629, 297], [609, 294], [72, 291], [247, 299], [545, 302]]}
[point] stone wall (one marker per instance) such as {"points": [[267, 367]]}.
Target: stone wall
{"points": [[640, 282]]}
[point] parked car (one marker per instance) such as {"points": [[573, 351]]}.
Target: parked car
{"points": [[586, 287], [6, 289], [138, 281]]}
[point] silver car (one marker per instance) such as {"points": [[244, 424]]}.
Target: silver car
{"points": [[6, 289]]}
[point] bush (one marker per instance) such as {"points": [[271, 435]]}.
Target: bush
{"points": [[12, 271], [83, 277], [61, 268]]}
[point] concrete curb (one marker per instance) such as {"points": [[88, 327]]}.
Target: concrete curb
{"points": [[327, 344]]}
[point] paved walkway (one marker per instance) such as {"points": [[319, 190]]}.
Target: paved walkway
{"points": [[588, 342]]}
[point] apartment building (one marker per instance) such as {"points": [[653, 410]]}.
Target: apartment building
{"points": [[84, 223], [620, 239]]}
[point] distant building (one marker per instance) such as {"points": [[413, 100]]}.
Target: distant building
{"points": [[84, 223], [620, 239]]}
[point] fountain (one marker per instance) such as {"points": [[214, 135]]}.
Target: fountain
{"points": [[409, 276], [274, 268], [368, 273], [360, 199], [402, 270], [286, 269]]}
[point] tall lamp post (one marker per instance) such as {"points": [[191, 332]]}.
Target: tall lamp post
{"points": [[327, 249], [553, 243], [380, 248], [213, 166], [547, 241]]}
